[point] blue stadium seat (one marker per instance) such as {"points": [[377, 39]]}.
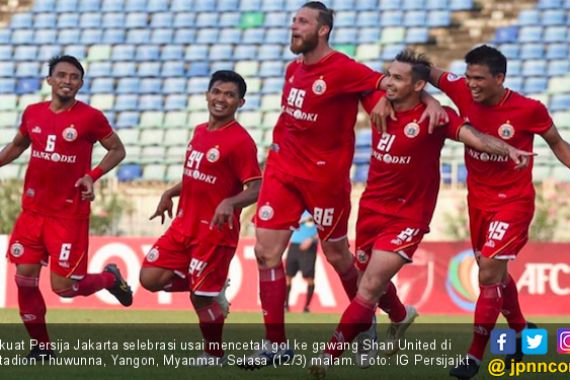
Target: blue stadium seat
{"points": [[228, 5], [250, 5], [162, 36], [511, 51], [535, 85], [514, 67], [175, 102], [271, 69], [124, 69], [66, 5], [410, 5], [100, 69], [253, 103], [530, 34], [344, 35], [221, 52], [5, 36], [272, 85], [180, 5], [392, 18], [558, 67], [136, 20], [47, 52], [68, 37], [68, 20], [135, 5], [345, 19], [89, 5], [102, 86], [162, 20], [207, 36], [560, 102], [123, 53], [22, 36], [415, 18], [532, 51], [91, 36], [364, 137], [553, 17], [342, 5], [368, 18], [269, 51], [199, 69], [460, 5], [368, 35], [7, 86], [150, 102], [529, 17], [230, 36], [204, 5], [555, 34], [461, 173], [184, 36], [112, 6], [253, 36], [113, 36], [149, 69], [5, 54], [147, 53], [293, 5], [439, 18], [245, 52], [21, 21], [27, 69], [25, 53], [113, 20], [172, 52], [387, 5], [78, 51], [276, 19], [127, 86], [361, 156], [174, 86], [126, 102], [458, 67], [557, 51], [7, 69], [173, 69], [91, 20], [360, 174], [198, 85], [44, 36], [138, 36], [390, 51], [534, 67], [220, 65], [277, 36], [229, 19], [157, 6], [44, 6], [129, 172], [207, 19], [437, 4], [366, 5], [127, 119], [549, 4], [184, 20], [506, 34], [417, 35], [514, 83], [445, 172], [196, 53], [150, 86], [272, 5]]}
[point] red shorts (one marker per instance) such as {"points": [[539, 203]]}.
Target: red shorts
{"points": [[498, 234], [381, 232], [65, 242], [205, 265], [283, 199]]}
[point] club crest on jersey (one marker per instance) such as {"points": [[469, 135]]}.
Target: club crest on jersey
{"points": [[361, 256], [213, 155], [266, 213], [411, 130], [70, 133], [152, 256], [17, 249], [319, 86], [506, 131]]}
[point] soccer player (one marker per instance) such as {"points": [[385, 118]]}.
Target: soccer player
{"points": [[308, 164], [58, 189], [399, 199], [195, 252], [301, 256], [501, 202]]}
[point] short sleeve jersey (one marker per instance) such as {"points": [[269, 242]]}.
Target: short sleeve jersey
{"points": [[218, 163], [61, 147], [314, 135], [403, 180], [492, 181]]}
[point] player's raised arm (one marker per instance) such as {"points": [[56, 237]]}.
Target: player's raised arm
{"points": [[559, 146], [165, 204], [225, 210], [14, 149], [434, 76], [487, 143]]}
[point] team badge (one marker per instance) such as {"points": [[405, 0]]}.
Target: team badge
{"points": [[361, 256], [152, 256], [70, 133], [411, 130], [266, 213], [213, 155], [319, 86], [452, 77], [17, 249], [506, 131]]}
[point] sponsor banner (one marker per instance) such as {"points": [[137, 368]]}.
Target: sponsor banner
{"points": [[441, 280]]}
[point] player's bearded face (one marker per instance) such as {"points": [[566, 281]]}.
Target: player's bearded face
{"points": [[485, 87], [65, 81], [223, 100], [304, 31]]}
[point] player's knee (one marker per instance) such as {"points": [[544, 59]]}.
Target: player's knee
{"points": [[372, 287], [489, 276], [268, 255], [150, 282]]}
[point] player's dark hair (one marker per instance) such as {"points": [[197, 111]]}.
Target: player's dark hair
{"points": [[421, 65], [229, 76], [326, 15], [67, 59], [488, 56]]}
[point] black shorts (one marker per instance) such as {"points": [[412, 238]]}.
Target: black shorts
{"points": [[301, 260]]}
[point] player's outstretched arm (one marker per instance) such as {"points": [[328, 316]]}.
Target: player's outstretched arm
{"points": [[14, 149], [434, 76], [559, 146], [487, 143], [165, 204], [225, 211]]}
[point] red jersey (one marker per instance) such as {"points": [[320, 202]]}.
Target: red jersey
{"points": [[61, 146], [492, 182], [404, 175], [314, 135], [218, 164]]}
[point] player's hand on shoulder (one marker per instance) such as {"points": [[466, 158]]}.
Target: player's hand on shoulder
{"points": [[85, 185], [521, 158], [380, 113], [224, 214], [164, 205], [436, 115]]}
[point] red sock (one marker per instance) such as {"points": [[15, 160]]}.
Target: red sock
{"points": [[272, 292], [349, 281], [356, 318], [511, 308], [212, 325], [487, 311], [391, 304], [32, 307], [89, 284], [178, 284]]}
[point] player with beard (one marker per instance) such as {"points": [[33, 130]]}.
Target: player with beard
{"points": [[58, 189], [399, 199], [308, 164]]}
